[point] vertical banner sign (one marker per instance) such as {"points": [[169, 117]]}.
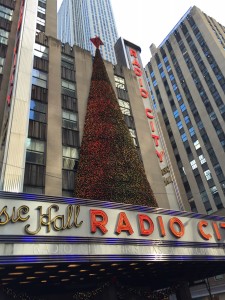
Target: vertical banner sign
{"points": [[144, 94], [15, 53]]}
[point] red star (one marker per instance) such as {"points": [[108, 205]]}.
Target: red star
{"points": [[97, 41]]}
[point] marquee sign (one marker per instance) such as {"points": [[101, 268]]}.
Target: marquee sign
{"points": [[103, 230]]}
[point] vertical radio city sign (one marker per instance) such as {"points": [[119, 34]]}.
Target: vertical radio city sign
{"points": [[144, 94]]}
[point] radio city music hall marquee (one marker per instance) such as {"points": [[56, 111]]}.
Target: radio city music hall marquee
{"points": [[96, 229]]}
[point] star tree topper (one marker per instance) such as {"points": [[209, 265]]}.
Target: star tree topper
{"points": [[97, 42]]}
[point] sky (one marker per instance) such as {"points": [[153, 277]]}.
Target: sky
{"points": [[144, 22]]}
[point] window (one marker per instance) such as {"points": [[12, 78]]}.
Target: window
{"points": [[41, 10], [162, 74], [160, 65], [204, 197], [133, 135], [40, 51], [35, 151], [193, 164], [200, 125], [212, 116], [218, 169], [125, 107], [183, 107], [178, 97], [192, 131], [202, 159], [70, 155], [2, 60], [155, 83], [208, 175], [6, 13], [184, 137], [214, 190], [41, 21], [174, 86], [68, 85], [176, 114], [4, 36], [119, 82], [186, 119], [197, 144], [69, 120], [222, 108], [37, 111], [39, 78], [179, 125], [67, 61]]}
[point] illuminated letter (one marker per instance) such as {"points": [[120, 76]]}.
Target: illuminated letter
{"points": [[144, 93], [216, 229], [136, 63], [161, 226], [5, 215], [148, 112], [98, 224], [160, 155], [202, 233], [152, 126], [177, 221], [142, 220], [123, 224], [137, 71], [133, 53], [156, 139], [222, 225], [140, 82]]}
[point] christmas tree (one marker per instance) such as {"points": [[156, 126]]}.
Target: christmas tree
{"points": [[109, 167]]}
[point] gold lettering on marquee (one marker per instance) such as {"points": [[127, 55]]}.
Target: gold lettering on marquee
{"points": [[16, 216], [57, 223]]}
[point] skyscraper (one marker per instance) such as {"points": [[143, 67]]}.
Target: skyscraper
{"points": [[80, 20], [58, 246], [186, 75], [45, 106]]}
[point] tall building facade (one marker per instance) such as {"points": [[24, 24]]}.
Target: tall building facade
{"points": [[186, 75], [79, 20], [45, 105], [57, 246]]}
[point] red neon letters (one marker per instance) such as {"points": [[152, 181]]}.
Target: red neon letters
{"points": [[159, 226], [144, 94]]}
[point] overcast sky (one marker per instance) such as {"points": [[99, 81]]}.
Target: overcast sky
{"points": [[144, 22]]}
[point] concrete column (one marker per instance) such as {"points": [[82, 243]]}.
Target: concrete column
{"points": [[51, 18], [183, 292], [53, 179]]}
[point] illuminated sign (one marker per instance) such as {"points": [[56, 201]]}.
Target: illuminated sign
{"points": [[79, 229], [144, 94], [15, 52], [41, 218]]}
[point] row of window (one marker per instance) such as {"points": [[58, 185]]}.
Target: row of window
{"points": [[6, 13]]}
